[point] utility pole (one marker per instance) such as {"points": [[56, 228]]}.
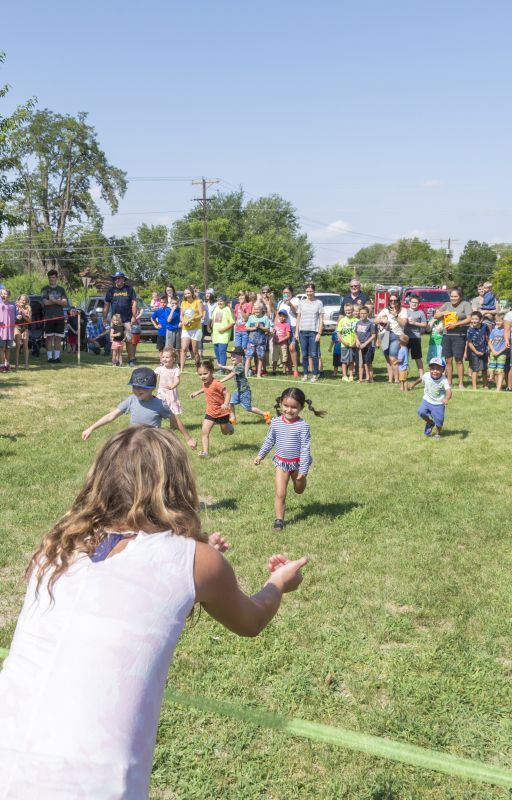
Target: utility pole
{"points": [[29, 260], [204, 200], [449, 256]]}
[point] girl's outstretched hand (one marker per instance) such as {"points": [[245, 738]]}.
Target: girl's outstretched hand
{"points": [[86, 434], [257, 461], [286, 574], [217, 541]]}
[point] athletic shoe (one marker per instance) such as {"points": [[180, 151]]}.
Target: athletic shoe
{"points": [[202, 454], [437, 436], [278, 524], [268, 417], [350, 378], [131, 363], [305, 379], [347, 380], [429, 427], [314, 379]]}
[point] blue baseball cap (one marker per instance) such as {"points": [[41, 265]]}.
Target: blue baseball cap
{"points": [[143, 378], [118, 274], [437, 362]]}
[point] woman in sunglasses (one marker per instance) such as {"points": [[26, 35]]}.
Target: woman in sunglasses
{"points": [[393, 319]]}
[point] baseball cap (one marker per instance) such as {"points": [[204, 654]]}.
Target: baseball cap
{"points": [[438, 362], [118, 274], [143, 378], [237, 351], [210, 291], [283, 311], [222, 297], [265, 288]]}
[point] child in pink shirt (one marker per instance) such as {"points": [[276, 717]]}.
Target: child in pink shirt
{"points": [[282, 334], [7, 321]]}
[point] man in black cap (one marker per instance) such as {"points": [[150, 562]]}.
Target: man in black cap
{"points": [[141, 405], [121, 299]]}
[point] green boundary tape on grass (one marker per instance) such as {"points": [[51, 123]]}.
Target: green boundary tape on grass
{"points": [[352, 740], [362, 742]]}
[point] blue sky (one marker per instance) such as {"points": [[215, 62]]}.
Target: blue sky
{"points": [[375, 119]]}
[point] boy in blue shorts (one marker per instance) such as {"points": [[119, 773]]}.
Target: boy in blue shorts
{"points": [[497, 352], [437, 393], [242, 395]]}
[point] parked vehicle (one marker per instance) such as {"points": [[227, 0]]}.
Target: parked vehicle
{"points": [[332, 304], [431, 298]]}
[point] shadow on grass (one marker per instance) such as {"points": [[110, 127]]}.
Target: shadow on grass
{"points": [[11, 437], [241, 446], [332, 510], [227, 503], [463, 434]]}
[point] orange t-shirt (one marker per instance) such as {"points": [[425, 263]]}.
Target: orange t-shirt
{"points": [[214, 394]]}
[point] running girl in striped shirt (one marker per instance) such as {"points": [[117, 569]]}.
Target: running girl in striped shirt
{"points": [[291, 437]]}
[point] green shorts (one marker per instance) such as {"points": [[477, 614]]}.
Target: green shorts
{"points": [[497, 362]]}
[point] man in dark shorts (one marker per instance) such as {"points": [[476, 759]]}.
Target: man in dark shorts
{"points": [[456, 316], [121, 299], [415, 326], [54, 301]]}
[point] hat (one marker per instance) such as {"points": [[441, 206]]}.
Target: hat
{"points": [[118, 274], [265, 288], [438, 362], [210, 291], [237, 351], [283, 311], [143, 378], [222, 297]]}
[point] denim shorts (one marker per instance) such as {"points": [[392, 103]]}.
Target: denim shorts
{"points": [[432, 410], [243, 399], [259, 349]]}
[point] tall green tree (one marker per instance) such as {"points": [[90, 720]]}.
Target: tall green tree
{"points": [[501, 277], [476, 263], [60, 162], [9, 161]]}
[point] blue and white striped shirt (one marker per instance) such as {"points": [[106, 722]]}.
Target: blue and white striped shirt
{"points": [[292, 441]]}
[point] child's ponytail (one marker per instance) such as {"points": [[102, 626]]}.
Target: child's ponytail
{"points": [[309, 404], [300, 398]]}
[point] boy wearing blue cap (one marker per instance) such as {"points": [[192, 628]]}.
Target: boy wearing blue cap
{"points": [[436, 395], [142, 406]]}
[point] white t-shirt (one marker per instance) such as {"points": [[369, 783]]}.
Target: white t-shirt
{"points": [[435, 390], [290, 309], [394, 324]]}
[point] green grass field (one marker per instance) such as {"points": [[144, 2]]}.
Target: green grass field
{"points": [[402, 627]]}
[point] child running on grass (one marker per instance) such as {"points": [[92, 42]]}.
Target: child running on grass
{"points": [[95, 639], [291, 437], [437, 393], [217, 405], [142, 406], [242, 395], [169, 374]]}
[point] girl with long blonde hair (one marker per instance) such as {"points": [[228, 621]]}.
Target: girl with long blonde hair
{"points": [[109, 591]]}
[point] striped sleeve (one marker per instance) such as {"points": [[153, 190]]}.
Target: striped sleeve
{"points": [[270, 440]]}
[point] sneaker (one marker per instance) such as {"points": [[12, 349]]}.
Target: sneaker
{"points": [[202, 454], [278, 524], [305, 379], [131, 363], [268, 417], [429, 427], [347, 380], [350, 378], [437, 436], [57, 361], [314, 379]]}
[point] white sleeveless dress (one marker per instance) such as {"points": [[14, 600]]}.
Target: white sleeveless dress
{"points": [[82, 687]]}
